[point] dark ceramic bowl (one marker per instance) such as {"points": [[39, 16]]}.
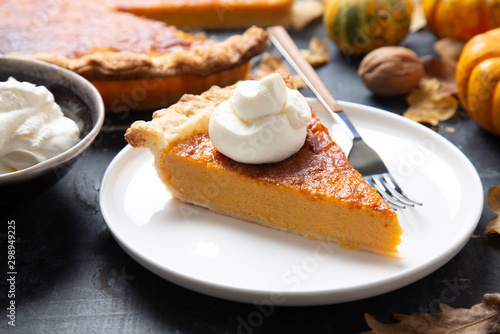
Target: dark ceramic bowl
{"points": [[78, 99]]}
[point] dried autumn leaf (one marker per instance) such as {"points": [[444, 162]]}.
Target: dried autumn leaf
{"points": [[493, 227], [481, 318], [442, 70], [493, 199], [428, 106], [449, 49], [418, 20], [271, 64], [304, 12], [318, 53]]}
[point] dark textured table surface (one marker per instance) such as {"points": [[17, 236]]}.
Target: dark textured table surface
{"points": [[72, 277]]}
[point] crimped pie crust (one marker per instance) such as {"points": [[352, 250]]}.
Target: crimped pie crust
{"points": [[201, 60], [189, 116]]}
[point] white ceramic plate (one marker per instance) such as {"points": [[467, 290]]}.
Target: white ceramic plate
{"points": [[240, 261]]}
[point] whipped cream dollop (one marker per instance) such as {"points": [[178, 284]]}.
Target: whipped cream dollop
{"points": [[32, 126], [263, 122]]}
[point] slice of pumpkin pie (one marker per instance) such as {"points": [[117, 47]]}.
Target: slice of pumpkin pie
{"points": [[255, 151]]}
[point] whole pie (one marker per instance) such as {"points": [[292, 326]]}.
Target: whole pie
{"points": [[135, 63], [315, 192]]}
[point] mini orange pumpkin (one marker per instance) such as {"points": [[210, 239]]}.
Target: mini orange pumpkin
{"points": [[478, 77], [461, 19]]}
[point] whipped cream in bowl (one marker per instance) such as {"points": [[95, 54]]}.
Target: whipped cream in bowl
{"points": [[48, 117], [32, 126], [263, 122]]}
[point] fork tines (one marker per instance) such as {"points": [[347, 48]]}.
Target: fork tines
{"points": [[390, 191]]}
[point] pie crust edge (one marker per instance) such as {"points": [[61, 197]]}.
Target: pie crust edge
{"points": [[201, 60]]}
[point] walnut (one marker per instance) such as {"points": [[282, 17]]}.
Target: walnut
{"points": [[391, 70]]}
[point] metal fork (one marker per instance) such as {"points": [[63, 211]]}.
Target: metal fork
{"points": [[361, 156]]}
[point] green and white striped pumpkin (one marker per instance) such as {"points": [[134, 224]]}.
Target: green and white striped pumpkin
{"points": [[359, 26]]}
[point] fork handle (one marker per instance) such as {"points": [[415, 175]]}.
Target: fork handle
{"points": [[284, 43]]}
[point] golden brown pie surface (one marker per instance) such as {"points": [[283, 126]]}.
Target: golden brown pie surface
{"points": [[77, 28], [314, 193], [125, 55]]}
